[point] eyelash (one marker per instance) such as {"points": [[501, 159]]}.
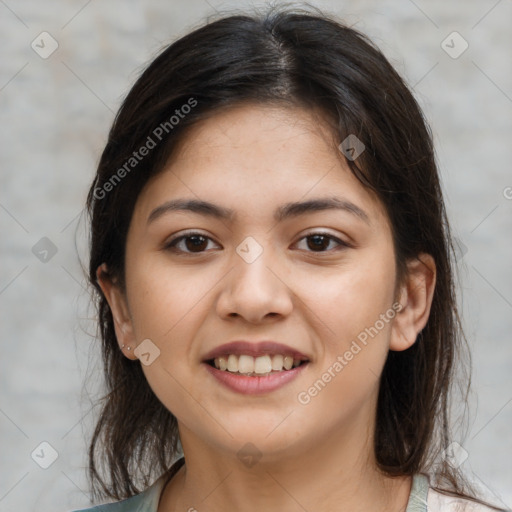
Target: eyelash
{"points": [[171, 245]]}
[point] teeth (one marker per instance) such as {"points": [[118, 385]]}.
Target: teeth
{"points": [[232, 363], [262, 365], [277, 362], [246, 364]]}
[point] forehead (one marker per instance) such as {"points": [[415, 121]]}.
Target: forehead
{"points": [[258, 131], [251, 158]]}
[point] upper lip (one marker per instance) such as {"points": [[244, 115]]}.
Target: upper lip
{"points": [[254, 349]]}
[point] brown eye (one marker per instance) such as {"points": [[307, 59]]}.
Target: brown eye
{"points": [[189, 243], [319, 242]]}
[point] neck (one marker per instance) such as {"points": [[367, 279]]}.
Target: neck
{"points": [[328, 475]]}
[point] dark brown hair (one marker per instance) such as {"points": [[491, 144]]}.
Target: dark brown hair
{"points": [[292, 57]]}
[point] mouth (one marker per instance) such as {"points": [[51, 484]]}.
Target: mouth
{"points": [[255, 368], [260, 366]]}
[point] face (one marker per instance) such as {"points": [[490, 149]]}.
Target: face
{"points": [[316, 283]]}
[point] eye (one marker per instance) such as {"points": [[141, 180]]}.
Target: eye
{"points": [[192, 242], [195, 242], [320, 241]]}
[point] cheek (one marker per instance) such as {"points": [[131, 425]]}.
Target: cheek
{"points": [[356, 306], [167, 306], [337, 308], [358, 312], [163, 299], [353, 299]]}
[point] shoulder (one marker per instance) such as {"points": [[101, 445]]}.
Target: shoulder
{"points": [[436, 501], [425, 498], [146, 501], [439, 502]]}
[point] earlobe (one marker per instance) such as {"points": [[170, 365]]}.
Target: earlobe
{"points": [[118, 306], [416, 296]]}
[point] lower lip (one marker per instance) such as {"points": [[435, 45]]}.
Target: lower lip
{"points": [[255, 385]]}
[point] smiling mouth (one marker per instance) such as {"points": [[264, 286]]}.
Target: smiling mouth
{"points": [[256, 366]]}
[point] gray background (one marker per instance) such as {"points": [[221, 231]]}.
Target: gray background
{"points": [[55, 116]]}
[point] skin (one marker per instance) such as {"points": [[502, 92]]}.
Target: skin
{"points": [[315, 456]]}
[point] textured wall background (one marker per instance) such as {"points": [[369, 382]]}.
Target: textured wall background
{"points": [[56, 111]]}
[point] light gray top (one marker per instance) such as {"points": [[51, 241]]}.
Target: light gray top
{"points": [[421, 499]]}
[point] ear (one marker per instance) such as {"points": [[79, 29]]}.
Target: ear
{"points": [[415, 297], [120, 312]]}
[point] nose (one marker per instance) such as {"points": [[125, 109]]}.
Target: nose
{"points": [[255, 290]]}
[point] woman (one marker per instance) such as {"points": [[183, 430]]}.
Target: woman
{"points": [[271, 257]]}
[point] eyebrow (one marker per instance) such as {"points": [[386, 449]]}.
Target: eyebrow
{"points": [[283, 212]]}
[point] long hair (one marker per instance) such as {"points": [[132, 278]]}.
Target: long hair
{"points": [[292, 57]]}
